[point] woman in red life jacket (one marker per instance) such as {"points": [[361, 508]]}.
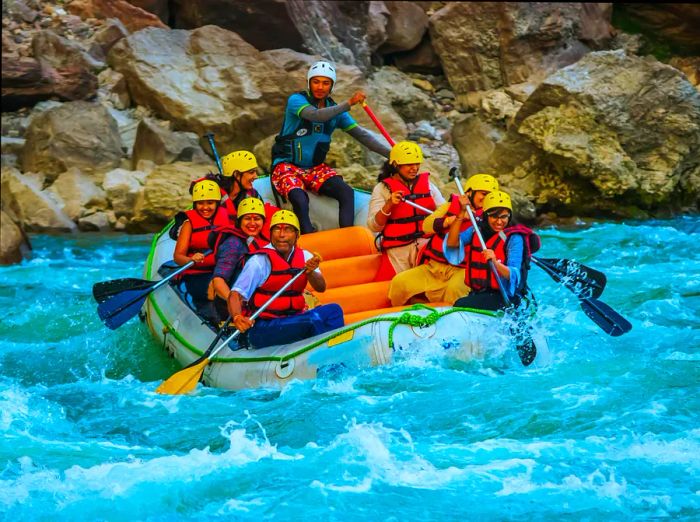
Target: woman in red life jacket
{"points": [[507, 245], [400, 224], [286, 319], [231, 245], [435, 278], [193, 239], [240, 170]]}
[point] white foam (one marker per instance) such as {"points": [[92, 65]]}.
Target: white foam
{"points": [[113, 479], [389, 456], [235, 505]]}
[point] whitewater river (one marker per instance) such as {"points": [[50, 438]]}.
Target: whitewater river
{"points": [[609, 430]]}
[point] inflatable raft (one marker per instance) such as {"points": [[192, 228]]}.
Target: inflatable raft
{"points": [[373, 332]]}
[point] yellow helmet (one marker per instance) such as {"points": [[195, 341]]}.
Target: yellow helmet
{"points": [[240, 160], [497, 199], [285, 216], [484, 182], [405, 153], [206, 190], [251, 206]]}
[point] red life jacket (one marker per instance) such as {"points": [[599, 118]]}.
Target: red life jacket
{"points": [[433, 249], [199, 241], [479, 276], [291, 302], [405, 224]]}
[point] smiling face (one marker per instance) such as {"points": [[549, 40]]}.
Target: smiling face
{"points": [[251, 224], [408, 172], [246, 178], [206, 208], [498, 218], [320, 87], [478, 198], [283, 237]]}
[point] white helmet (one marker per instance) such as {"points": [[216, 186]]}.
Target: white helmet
{"points": [[321, 69]]}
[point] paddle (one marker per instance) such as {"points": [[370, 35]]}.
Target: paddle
{"points": [[600, 313], [186, 379], [582, 280], [121, 306], [374, 118], [105, 289], [210, 137]]}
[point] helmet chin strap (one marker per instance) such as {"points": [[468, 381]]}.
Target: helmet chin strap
{"points": [[408, 181]]}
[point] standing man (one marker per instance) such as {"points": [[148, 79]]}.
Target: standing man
{"points": [[299, 152], [286, 319]]}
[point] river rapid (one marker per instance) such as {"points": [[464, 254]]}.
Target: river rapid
{"points": [[609, 430]]}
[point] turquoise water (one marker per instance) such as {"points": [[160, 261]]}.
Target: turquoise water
{"points": [[608, 431]]}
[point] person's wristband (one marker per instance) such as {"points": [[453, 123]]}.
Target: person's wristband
{"points": [[385, 213]]}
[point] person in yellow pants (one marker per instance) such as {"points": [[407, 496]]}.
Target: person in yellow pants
{"points": [[434, 277]]}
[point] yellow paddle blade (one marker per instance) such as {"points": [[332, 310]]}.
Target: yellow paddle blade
{"points": [[183, 381]]}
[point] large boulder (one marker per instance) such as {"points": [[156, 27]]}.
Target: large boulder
{"points": [[37, 209], [26, 82], [208, 79], [244, 18], [671, 23], [405, 28], [79, 193], [344, 32], [156, 142], [612, 134], [165, 193], [75, 134], [13, 242], [134, 18], [124, 188], [487, 45]]}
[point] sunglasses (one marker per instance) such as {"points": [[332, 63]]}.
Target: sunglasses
{"points": [[500, 217]]}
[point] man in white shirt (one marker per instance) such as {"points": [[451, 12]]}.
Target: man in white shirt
{"points": [[285, 319]]}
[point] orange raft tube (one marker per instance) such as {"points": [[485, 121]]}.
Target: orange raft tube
{"points": [[350, 265]]}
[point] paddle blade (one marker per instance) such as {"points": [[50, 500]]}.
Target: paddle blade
{"points": [[582, 280], [605, 317], [118, 309], [105, 289], [183, 381]]}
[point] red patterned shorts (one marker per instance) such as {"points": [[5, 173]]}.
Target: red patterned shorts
{"points": [[287, 176]]}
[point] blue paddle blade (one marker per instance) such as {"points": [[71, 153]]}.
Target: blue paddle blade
{"points": [[117, 310], [608, 319], [582, 280], [107, 289]]}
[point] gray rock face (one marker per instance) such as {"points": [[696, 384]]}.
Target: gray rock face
{"points": [[487, 45], [76, 134], [344, 32]]}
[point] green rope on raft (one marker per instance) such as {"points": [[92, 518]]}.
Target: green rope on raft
{"points": [[420, 321]]}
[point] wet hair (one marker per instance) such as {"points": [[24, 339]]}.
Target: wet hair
{"points": [[387, 171]]}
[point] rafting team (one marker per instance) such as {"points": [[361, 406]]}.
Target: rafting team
{"points": [[244, 250]]}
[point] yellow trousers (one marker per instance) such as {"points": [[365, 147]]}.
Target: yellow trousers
{"points": [[440, 282]]}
